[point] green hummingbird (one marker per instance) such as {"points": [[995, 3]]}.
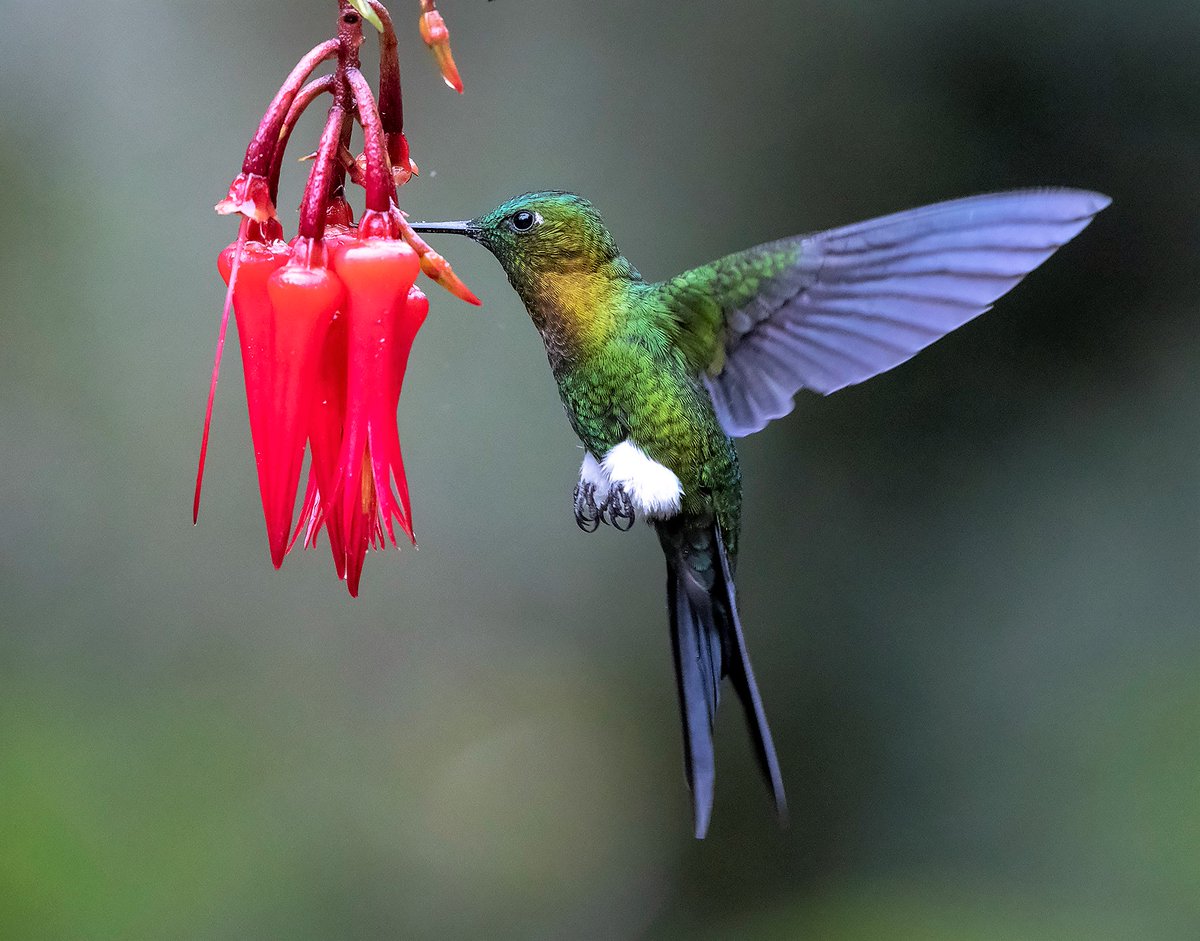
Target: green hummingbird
{"points": [[658, 378]]}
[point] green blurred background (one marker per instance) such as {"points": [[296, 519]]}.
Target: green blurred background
{"points": [[971, 586]]}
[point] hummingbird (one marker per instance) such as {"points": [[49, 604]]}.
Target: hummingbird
{"points": [[659, 378]]}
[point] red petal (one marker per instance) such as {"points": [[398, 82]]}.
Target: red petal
{"points": [[362, 526], [325, 439], [302, 304], [282, 314]]}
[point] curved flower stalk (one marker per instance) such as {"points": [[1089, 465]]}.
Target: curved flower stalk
{"points": [[326, 321]]}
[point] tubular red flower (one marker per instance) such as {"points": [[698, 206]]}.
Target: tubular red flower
{"points": [[370, 489], [327, 322], [329, 409], [283, 307]]}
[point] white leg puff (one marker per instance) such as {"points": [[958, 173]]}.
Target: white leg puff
{"points": [[653, 489], [591, 472]]}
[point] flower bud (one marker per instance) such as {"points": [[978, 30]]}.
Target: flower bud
{"points": [[437, 38]]}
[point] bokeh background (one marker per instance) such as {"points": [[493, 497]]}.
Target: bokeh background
{"points": [[971, 586]]}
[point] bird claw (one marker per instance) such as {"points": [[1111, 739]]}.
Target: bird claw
{"points": [[587, 514], [617, 510]]}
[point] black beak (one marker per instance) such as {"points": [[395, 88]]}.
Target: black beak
{"points": [[469, 229]]}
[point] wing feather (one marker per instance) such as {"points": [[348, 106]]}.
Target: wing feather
{"points": [[825, 311]]}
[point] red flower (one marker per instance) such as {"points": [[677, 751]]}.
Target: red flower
{"points": [[327, 321], [358, 487], [283, 304]]}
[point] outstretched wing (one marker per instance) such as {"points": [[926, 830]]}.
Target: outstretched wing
{"points": [[829, 310]]}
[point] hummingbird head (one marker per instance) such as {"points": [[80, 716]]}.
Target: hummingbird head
{"points": [[560, 258], [538, 234]]}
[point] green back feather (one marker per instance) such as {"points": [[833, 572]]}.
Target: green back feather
{"points": [[701, 298]]}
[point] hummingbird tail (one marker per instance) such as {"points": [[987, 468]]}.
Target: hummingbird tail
{"points": [[708, 644]]}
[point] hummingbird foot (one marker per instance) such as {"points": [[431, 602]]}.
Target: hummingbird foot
{"points": [[587, 514], [617, 509]]}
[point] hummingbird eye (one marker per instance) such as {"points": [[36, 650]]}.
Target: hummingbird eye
{"points": [[524, 220]]}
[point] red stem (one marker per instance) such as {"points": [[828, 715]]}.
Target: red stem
{"points": [[307, 95], [326, 172], [339, 176], [391, 104], [320, 178], [350, 36], [377, 177], [261, 152]]}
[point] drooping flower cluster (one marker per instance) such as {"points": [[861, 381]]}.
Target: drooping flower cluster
{"points": [[326, 320]]}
